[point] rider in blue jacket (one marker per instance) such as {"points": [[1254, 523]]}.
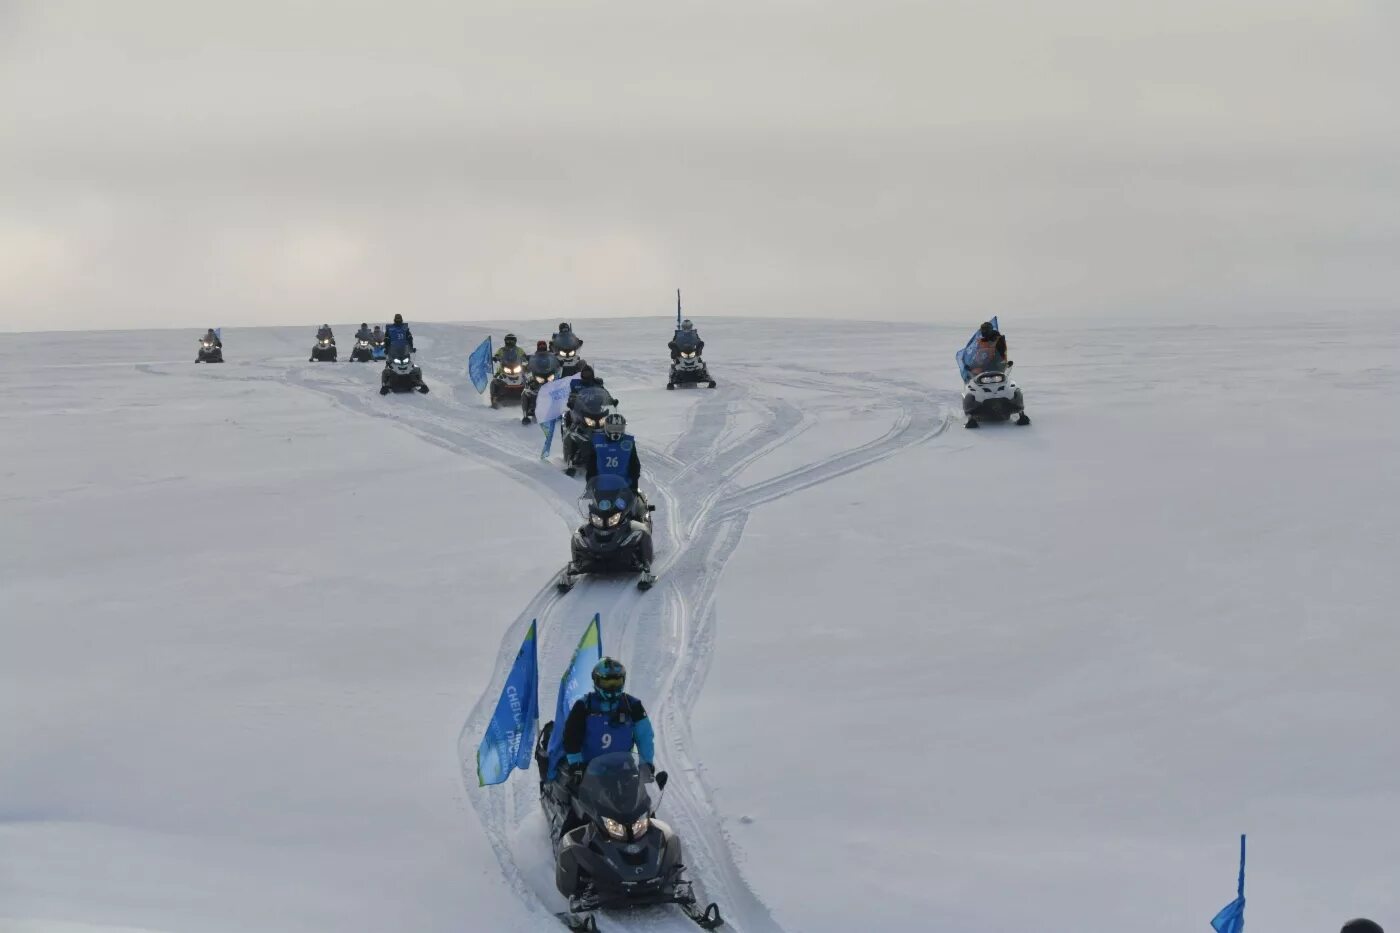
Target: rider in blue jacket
{"points": [[614, 452], [608, 720], [398, 332]]}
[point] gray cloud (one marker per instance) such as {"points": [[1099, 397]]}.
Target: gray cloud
{"points": [[179, 164]]}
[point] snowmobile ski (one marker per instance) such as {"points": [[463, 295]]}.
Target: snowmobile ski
{"points": [[580, 922], [707, 919], [567, 579], [647, 581]]}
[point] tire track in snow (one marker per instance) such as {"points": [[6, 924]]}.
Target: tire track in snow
{"points": [[668, 634]]}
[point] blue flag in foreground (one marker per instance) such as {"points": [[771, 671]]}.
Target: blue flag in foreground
{"points": [[509, 741], [479, 366], [1231, 917], [963, 353], [573, 686], [548, 428]]}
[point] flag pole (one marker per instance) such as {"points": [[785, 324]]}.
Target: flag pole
{"points": [[1242, 852]]}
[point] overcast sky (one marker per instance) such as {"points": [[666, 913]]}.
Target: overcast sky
{"points": [[187, 163]]}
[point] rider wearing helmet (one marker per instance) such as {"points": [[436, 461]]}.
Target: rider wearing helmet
{"points": [[364, 333], [565, 339], [608, 720], [213, 338], [687, 338], [512, 354], [614, 452], [988, 351], [398, 332], [324, 333]]}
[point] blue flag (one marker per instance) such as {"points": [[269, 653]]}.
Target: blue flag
{"points": [[509, 741], [962, 355], [573, 686], [548, 428], [1231, 916], [479, 365]]}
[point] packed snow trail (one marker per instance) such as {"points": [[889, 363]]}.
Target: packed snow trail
{"points": [[665, 636]]}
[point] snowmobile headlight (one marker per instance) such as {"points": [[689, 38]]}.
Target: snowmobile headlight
{"points": [[614, 519], [614, 828], [689, 356], [639, 828], [549, 378], [566, 354], [591, 422], [513, 370], [597, 520]]}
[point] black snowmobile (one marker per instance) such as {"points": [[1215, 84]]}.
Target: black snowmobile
{"points": [[210, 351], [688, 368], [587, 409], [324, 351], [569, 362], [401, 374], [541, 370], [610, 850], [991, 396], [617, 537], [509, 380], [363, 352]]}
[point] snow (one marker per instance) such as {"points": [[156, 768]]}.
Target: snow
{"points": [[905, 676]]}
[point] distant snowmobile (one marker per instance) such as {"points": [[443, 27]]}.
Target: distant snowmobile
{"points": [[401, 374], [617, 537], [324, 351], [587, 409], [610, 850], [377, 350], [363, 352], [687, 366], [210, 351], [569, 362], [992, 396]]}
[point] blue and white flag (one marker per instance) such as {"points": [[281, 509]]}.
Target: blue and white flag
{"points": [[219, 332], [548, 428], [553, 400], [1231, 917], [964, 354], [509, 741], [479, 365], [574, 686]]}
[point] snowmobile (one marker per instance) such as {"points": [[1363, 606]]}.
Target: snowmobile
{"points": [[610, 850], [401, 374], [363, 352], [324, 351], [992, 396], [617, 536], [377, 350], [569, 362], [587, 409], [509, 382], [209, 352], [688, 368], [537, 376]]}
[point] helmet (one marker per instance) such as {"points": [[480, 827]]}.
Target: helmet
{"points": [[987, 330], [326, 326], [686, 325], [398, 319], [364, 323], [510, 340], [1355, 926], [609, 677], [563, 327], [614, 426]]}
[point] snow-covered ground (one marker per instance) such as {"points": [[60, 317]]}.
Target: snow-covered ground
{"points": [[905, 676]]}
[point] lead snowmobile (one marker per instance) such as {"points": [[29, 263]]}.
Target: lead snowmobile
{"points": [[401, 374], [610, 850], [324, 351], [587, 409], [991, 396], [617, 536], [210, 351], [688, 368]]}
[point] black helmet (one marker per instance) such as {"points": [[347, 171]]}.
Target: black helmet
{"points": [[1355, 926], [614, 426], [510, 340], [988, 331], [609, 677], [563, 326], [398, 319]]}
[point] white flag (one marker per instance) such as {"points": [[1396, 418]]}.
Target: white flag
{"points": [[552, 400]]}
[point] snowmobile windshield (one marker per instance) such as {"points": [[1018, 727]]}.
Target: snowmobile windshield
{"points": [[567, 341], [607, 494], [544, 366], [613, 787], [592, 402]]}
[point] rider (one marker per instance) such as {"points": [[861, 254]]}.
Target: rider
{"points": [[398, 332], [364, 332], [608, 720], [509, 355], [988, 352], [213, 338], [614, 452], [565, 338], [324, 333], [691, 338], [377, 335]]}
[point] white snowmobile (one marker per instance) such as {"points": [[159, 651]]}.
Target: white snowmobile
{"points": [[992, 396]]}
